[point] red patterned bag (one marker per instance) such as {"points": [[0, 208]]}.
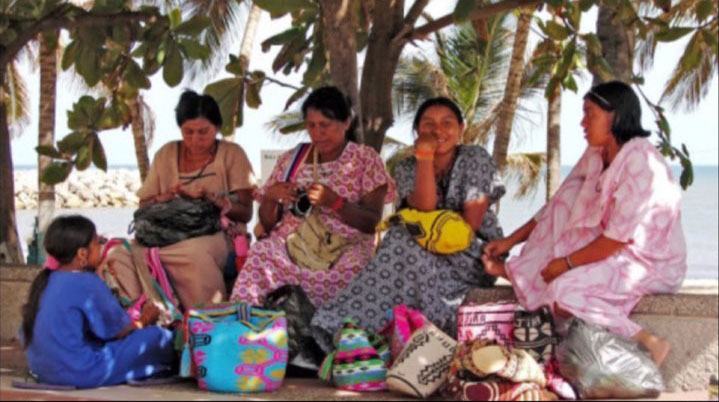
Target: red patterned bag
{"points": [[489, 321]]}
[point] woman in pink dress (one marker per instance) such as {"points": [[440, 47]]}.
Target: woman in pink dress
{"points": [[348, 192], [612, 232]]}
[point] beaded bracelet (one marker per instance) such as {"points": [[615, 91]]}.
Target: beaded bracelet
{"points": [[424, 155]]}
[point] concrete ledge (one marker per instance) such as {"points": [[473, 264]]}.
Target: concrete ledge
{"points": [[689, 321]]}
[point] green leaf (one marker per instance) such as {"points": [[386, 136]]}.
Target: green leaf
{"points": [[84, 156], [227, 94], [172, 67], [570, 83], [556, 31], [175, 17], [551, 87], [567, 58], [285, 56], [48, 150], [235, 66], [56, 172], [85, 112], [71, 142], [710, 39], [692, 54], [585, 5], [292, 128], [193, 49], [283, 37], [135, 76], [252, 95], [296, 96], [594, 46], [664, 125], [463, 9], [316, 66], [194, 26], [87, 67], [279, 8], [98, 155], [70, 55], [672, 34], [704, 9]]}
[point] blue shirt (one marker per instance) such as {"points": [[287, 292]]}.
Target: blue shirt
{"points": [[77, 316]]}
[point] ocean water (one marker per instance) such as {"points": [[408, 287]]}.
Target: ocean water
{"points": [[700, 219]]}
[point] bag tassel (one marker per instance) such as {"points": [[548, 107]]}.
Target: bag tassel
{"points": [[325, 371]]}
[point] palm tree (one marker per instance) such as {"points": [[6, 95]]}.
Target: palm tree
{"points": [[511, 93], [46, 129]]}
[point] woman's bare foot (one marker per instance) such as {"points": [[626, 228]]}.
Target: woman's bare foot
{"points": [[494, 267], [658, 348]]}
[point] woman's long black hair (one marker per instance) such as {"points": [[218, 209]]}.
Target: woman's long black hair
{"points": [[64, 236]]}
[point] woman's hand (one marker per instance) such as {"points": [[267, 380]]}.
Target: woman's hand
{"points": [[497, 248], [321, 195], [555, 268], [150, 314], [282, 192], [425, 143]]}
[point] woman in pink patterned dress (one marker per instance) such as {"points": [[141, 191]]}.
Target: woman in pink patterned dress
{"points": [[349, 195], [612, 232]]}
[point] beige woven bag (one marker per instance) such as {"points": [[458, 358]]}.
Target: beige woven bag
{"points": [[313, 246]]}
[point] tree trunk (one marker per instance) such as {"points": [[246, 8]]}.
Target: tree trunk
{"points": [[378, 71], [138, 135], [46, 134], [248, 41], [10, 250], [617, 45], [512, 89], [340, 27], [554, 160]]}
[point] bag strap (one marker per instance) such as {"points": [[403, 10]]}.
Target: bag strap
{"points": [[299, 156]]}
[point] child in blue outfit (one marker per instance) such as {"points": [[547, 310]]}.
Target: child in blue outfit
{"points": [[75, 331]]}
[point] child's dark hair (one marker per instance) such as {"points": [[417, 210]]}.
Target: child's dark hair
{"points": [[618, 97], [64, 236], [333, 104], [193, 105], [438, 101]]}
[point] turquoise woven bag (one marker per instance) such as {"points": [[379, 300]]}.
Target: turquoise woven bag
{"points": [[235, 348]]}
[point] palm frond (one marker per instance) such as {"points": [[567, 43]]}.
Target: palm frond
{"points": [[527, 170], [227, 18], [687, 86], [16, 100], [148, 118]]}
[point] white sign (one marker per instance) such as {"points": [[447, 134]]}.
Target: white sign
{"points": [[268, 159]]}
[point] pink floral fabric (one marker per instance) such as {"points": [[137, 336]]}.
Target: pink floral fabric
{"points": [[358, 171], [636, 201]]}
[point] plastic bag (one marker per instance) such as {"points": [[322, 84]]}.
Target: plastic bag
{"points": [[602, 365], [162, 224]]}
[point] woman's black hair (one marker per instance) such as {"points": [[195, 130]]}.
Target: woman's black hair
{"points": [[193, 105], [333, 104], [618, 97], [64, 236], [438, 101]]}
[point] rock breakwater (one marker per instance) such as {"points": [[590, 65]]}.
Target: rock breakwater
{"points": [[87, 189]]}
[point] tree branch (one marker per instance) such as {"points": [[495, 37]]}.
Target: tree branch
{"points": [[66, 22], [483, 12], [415, 11]]}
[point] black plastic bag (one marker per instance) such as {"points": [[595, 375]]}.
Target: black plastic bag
{"points": [[602, 365], [162, 224], [299, 310]]}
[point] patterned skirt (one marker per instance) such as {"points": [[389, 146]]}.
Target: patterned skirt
{"points": [[402, 272]]}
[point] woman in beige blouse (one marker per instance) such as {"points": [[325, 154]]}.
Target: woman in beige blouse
{"points": [[200, 165]]}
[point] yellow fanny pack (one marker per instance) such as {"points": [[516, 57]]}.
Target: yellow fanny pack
{"points": [[442, 231]]}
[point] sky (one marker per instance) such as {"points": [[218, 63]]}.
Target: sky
{"points": [[698, 129]]}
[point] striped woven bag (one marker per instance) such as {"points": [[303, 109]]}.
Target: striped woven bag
{"points": [[359, 362]]}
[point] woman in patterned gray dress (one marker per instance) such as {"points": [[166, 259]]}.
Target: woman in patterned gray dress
{"points": [[441, 175]]}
